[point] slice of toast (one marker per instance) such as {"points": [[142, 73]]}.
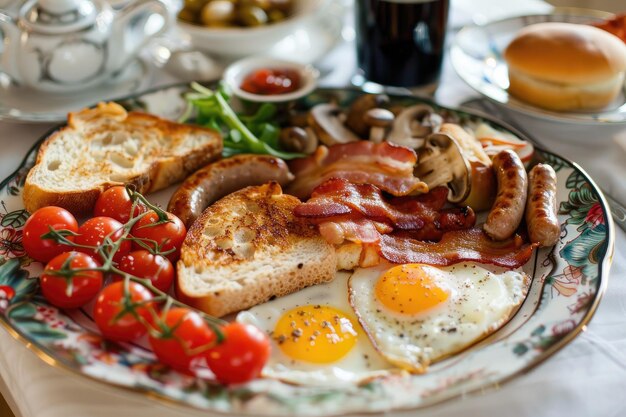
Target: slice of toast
{"points": [[106, 146], [248, 247]]}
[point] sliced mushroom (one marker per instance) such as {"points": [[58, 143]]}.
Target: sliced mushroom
{"points": [[412, 125], [432, 121], [441, 162], [379, 120], [297, 139], [355, 117], [325, 119]]}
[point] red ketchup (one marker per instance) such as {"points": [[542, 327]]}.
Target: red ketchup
{"points": [[271, 81]]}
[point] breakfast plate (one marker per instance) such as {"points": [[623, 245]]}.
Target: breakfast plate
{"points": [[476, 56], [568, 281]]}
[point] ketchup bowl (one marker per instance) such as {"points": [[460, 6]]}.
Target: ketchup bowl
{"points": [[264, 79]]}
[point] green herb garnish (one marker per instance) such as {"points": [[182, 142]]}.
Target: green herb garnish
{"points": [[242, 134]]}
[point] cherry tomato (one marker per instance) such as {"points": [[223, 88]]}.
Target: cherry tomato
{"points": [[143, 264], [38, 224], [93, 232], [116, 311], [84, 284], [168, 235], [116, 203], [185, 342], [241, 356]]}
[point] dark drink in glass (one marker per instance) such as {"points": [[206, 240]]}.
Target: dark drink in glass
{"points": [[401, 42]]}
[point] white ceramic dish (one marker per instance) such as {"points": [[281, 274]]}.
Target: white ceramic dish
{"points": [[476, 55], [307, 44], [69, 46], [24, 104], [238, 71], [568, 282], [239, 42]]}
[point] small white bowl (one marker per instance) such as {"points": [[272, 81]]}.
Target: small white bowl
{"points": [[240, 42], [238, 71]]}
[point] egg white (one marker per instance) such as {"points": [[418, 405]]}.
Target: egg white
{"points": [[363, 362], [480, 301]]}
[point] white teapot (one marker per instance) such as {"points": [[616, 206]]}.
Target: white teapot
{"points": [[70, 45]]}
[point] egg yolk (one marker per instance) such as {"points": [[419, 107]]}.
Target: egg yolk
{"points": [[410, 289], [315, 333]]}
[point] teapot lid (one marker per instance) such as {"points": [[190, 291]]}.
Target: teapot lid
{"points": [[59, 16]]}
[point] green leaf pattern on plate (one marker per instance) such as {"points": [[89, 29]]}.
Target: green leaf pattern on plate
{"points": [[568, 282]]}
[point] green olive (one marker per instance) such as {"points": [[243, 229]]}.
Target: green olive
{"points": [[263, 4], [194, 6], [187, 15], [285, 6], [218, 13], [251, 16], [276, 15]]}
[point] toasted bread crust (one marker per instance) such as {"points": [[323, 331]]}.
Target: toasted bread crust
{"points": [[249, 247], [168, 159]]}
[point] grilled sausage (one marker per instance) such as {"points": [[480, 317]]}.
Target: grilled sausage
{"points": [[508, 209], [223, 177], [541, 220]]}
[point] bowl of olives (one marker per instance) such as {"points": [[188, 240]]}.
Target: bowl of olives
{"points": [[235, 28]]}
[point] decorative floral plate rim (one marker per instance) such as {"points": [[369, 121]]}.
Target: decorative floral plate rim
{"points": [[63, 339]]}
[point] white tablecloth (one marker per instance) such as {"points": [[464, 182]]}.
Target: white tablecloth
{"points": [[587, 378]]}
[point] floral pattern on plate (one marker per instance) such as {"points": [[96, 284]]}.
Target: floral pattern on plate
{"points": [[568, 281]]}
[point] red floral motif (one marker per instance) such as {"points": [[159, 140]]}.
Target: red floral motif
{"points": [[50, 316], [595, 216], [11, 243], [567, 283], [561, 329], [6, 294], [106, 357], [94, 340], [582, 303]]}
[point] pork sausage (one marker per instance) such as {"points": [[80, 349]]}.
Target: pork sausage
{"points": [[508, 208], [223, 177], [543, 225]]}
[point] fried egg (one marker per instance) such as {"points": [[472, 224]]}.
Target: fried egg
{"points": [[415, 314], [316, 338]]}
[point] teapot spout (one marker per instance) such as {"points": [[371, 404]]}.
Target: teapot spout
{"points": [[10, 38]]}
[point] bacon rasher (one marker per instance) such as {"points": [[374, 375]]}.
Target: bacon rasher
{"points": [[385, 165], [456, 246], [338, 200]]}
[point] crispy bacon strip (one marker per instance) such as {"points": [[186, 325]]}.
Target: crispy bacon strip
{"points": [[339, 198], [385, 165], [457, 246]]}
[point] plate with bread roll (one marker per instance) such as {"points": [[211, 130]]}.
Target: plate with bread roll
{"points": [[567, 66], [341, 253]]}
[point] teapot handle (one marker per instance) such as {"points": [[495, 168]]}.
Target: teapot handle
{"points": [[134, 28], [9, 35]]}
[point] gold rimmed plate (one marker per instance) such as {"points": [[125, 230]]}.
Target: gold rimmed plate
{"points": [[567, 284]]}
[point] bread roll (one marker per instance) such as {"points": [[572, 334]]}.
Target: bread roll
{"points": [[565, 66]]}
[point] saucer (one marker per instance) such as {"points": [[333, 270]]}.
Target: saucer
{"points": [[476, 55], [27, 105]]}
